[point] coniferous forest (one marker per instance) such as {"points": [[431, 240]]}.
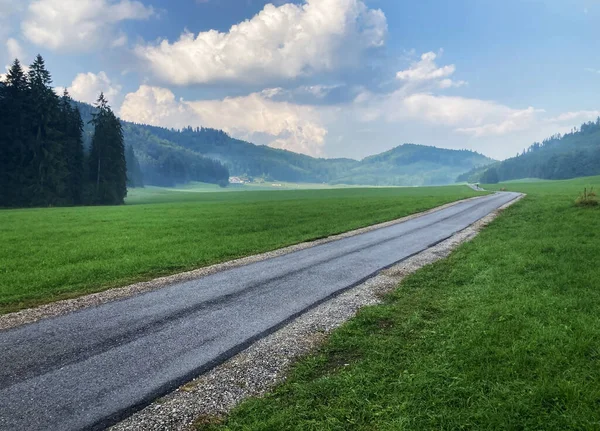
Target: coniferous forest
{"points": [[560, 157], [42, 157]]}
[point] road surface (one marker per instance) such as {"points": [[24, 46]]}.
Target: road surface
{"points": [[91, 368]]}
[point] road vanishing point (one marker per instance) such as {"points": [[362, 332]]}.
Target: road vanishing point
{"points": [[91, 368]]}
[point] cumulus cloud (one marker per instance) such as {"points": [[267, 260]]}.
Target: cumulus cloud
{"points": [[86, 87], [254, 117], [8, 8], [580, 116], [415, 101], [283, 42], [319, 94], [457, 112], [78, 25], [514, 120], [466, 116], [14, 49], [426, 72]]}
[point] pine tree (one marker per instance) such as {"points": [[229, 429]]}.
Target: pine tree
{"points": [[107, 166], [14, 138], [135, 177], [48, 166], [71, 127]]}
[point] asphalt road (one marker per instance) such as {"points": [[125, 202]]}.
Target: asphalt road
{"points": [[91, 368]]}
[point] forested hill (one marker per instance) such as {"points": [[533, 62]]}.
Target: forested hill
{"points": [[414, 165], [164, 153], [575, 154], [155, 161]]}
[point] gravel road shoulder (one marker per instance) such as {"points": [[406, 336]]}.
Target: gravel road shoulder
{"points": [[263, 365]]}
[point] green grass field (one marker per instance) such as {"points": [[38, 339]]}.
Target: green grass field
{"points": [[504, 334], [55, 253]]}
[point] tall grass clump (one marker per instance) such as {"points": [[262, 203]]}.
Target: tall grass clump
{"points": [[588, 198]]}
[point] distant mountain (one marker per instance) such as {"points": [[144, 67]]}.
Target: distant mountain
{"points": [[405, 165], [575, 154], [474, 175], [414, 165]]}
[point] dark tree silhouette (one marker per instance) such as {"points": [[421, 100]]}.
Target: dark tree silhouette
{"points": [[107, 166]]}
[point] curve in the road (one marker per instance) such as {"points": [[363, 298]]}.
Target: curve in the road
{"points": [[91, 368]]}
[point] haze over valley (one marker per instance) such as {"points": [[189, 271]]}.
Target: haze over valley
{"points": [[255, 215]]}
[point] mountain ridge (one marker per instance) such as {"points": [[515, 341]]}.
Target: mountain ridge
{"points": [[404, 165], [574, 154]]}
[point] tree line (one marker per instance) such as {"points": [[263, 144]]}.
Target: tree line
{"points": [[42, 157], [574, 154]]}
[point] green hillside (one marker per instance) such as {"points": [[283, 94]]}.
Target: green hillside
{"points": [[575, 154], [162, 152], [414, 165]]}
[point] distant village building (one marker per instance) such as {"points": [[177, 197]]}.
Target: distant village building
{"points": [[236, 180]]}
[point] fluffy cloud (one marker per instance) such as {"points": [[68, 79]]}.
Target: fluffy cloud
{"points": [[514, 120], [426, 73], [579, 116], [414, 101], [8, 8], [14, 49], [78, 25], [86, 87], [282, 42], [465, 115], [253, 117]]}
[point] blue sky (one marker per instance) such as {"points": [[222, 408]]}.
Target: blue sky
{"points": [[329, 78]]}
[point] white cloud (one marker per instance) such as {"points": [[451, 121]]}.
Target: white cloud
{"points": [[580, 116], [515, 120], [14, 49], [530, 118], [426, 69], [465, 115], [78, 25], [119, 41], [413, 102], [306, 94], [86, 87], [282, 42], [8, 8], [254, 117], [426, 72]]}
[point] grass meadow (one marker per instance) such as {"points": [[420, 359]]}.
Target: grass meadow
{"points": [[49, 254], [504, 334]]}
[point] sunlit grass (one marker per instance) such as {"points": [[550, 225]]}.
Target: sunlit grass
{"points": [[504, 334], [53, 253]]}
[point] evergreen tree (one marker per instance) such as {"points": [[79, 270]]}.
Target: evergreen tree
{"points": [[71, 126], [490, 176], [107, 166], [135, 177], [15, 179], [48, 167]]}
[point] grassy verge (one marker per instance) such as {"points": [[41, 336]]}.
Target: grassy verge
{"points": [[55, 253], [504, 334]]}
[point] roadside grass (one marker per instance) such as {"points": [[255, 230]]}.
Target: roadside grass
{"points": [[55, 253], [504, 334]]}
